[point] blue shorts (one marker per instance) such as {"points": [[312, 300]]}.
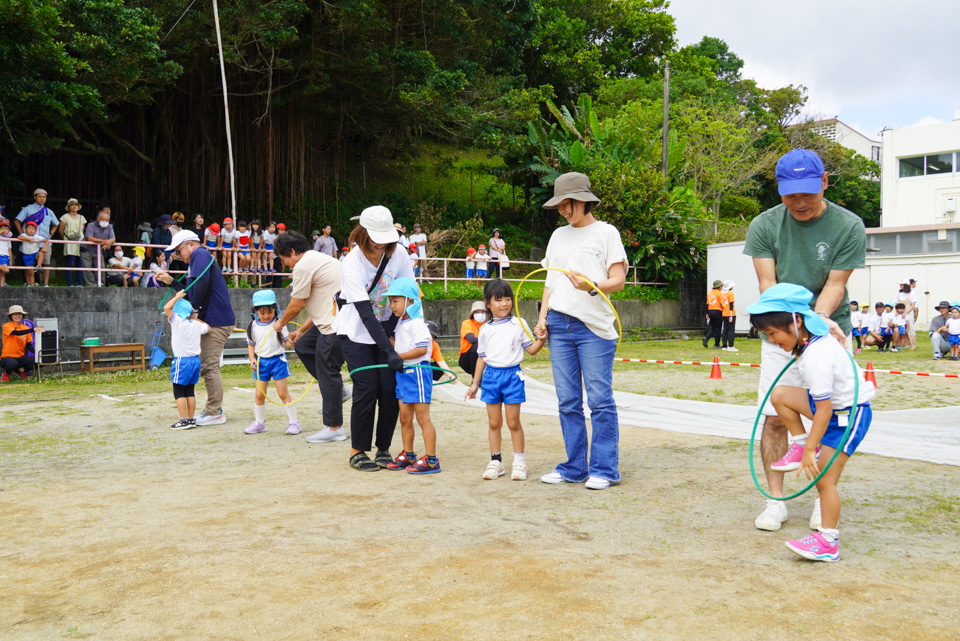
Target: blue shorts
{"points": [[886, 331], [244, 252], [226, 246], [29, 259], [953, 339], [415, 384], [502, 385], [185, 370], [268, 247], [481, 273], [273, 367], [211, 245], [4, 260], [834, 434], [470, 273]]}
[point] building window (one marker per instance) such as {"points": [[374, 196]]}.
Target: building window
{"points": [[932, 165], [939, 164], [910, 167]]}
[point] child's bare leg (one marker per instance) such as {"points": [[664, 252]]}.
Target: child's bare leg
{"points": [[282, 390], [3, 274], [406, 426], [790, 403], [182, 407], [259, 389], [29, 275], [191, 406], [422, 411], [512, 410], [827, 487], [496, 424]]}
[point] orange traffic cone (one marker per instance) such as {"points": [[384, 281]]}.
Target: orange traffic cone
{"points": [[715, 370], [869, 376]]}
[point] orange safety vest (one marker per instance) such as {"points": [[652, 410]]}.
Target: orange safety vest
{"points": [[715, 300]]}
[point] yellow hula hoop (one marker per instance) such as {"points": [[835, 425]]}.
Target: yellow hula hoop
{"points": [[263, 389], [584, 279]]}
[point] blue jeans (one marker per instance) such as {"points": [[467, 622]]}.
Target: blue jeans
{"points": [[577, 354], [74, 277]]}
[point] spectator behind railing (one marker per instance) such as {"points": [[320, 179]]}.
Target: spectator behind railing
{"points": [[99, 232], [126, 274], [161, 231], [33, 249], [46, 222], [71, 228], [5, 233]]}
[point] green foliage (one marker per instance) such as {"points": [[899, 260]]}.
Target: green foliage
{"points": [[742, 207]]}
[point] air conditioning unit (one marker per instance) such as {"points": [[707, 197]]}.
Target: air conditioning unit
{"points": [[950, 205]]}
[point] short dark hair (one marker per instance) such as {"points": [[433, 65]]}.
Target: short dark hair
{"points": [[900, 306], [291, 242], [325, 225], [496, 288], [241, 223]]}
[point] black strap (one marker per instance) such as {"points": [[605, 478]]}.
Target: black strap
{"points": [[373, 285]]}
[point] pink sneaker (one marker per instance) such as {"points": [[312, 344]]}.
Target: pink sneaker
{"points": [[255, 428], [791, 460], [293, 429], [816, 548]]}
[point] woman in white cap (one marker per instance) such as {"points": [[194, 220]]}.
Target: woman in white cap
{"points": [[728, 331], [14, 359], [583, 337], [364, 325]]}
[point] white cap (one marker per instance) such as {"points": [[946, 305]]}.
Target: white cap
{"points": [[180, 238], [728, 284], [378, 221]]}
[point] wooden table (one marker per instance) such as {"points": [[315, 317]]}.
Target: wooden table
{"points": [[87, 352]]}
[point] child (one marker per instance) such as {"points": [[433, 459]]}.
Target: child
{"points": [[901, 342], [872, 327], [500, 348], [856, 320], [125, 274], [185, 333], [482, 258], [158, 263], [210, 237], [783, 313], [471, 264], [32, 249], [256, 245], [414, 257], [414, 383], [343, 253], [5, 233], [951, 327], [273, 361], [269, 235], [225, 244], [886, 326], [243, 246]]}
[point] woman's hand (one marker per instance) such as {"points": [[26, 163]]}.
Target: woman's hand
{"points": [[808, 464], [576, 279]]}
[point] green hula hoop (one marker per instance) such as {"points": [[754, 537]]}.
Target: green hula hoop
{"points": [[382, 365], [192, 283], [843, 439]]}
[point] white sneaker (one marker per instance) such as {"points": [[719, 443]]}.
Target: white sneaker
{"points": [[815, 516], [347, 394], [732, 349], [494, 470], [772, 516], [597, 483], [211, 419], [326, 435], [553, 478], [519, 472]]}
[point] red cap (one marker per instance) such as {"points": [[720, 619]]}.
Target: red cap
{"points": [[472, 251], [346, 249], [281, 226], [482, 246], [215, 228], [228, 220]]}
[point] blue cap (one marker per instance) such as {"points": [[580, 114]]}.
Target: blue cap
{"points": [[183, 308], [787, 297], [800, 172], [407, 287], [264, 297]]}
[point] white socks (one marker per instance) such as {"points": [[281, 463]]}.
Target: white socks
{"points": [[518, 458], [260, 413], [800, 440], [291, 413], [830, 535]]}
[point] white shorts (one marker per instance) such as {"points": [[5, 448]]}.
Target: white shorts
{"points": [[772, 360]]}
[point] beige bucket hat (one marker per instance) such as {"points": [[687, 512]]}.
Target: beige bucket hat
{"points": [[16, 309], [573, 185]]}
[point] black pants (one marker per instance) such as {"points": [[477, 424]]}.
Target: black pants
{"points": [[372, 388], [729, 331], [468, 361], [715, 330], [321, 355], [11, 364]]}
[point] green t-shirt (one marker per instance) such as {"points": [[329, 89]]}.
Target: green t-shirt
{"points": [[806, 252]]}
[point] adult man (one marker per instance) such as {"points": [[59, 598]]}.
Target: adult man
{"points": [[316, 281], [938, 339], [806, 241], [325, 243], [208, 294], [100, 233], [47, 222]]}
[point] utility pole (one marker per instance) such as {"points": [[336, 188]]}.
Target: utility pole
{"points": [[226, 115], [666, 117]]}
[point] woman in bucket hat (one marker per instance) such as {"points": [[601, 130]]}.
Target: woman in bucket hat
{"points": [[14, 359], [71, 228], [583, 337]]}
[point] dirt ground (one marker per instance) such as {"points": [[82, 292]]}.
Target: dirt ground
{"points": [[114, 527]]}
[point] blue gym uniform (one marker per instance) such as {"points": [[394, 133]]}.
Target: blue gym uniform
{"points": [[502, 385], [274, 367], [861, 419], [185, 370], [415, 384]]}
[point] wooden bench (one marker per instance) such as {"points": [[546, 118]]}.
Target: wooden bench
{"points": [[87, 352]]}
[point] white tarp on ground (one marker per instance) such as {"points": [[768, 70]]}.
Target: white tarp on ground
{"points": [[921, 434]]}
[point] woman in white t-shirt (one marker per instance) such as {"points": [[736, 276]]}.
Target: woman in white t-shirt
{"points": [[496, 247], [908, 297], [583, 337], [365, 325]]}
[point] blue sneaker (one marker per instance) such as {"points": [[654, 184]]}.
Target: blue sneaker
{"points": [[211, 419], [423, 466]]}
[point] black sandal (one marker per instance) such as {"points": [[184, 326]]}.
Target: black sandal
{"points": [[362, 462], [383, 458]]}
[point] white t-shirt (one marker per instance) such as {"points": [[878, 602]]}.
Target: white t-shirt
{"points": [[421, 249], [271, 346], [269, 237], [873, 322], [228, 236], [404, 241], [316, 280], [5, 244], [410, 334], [482, 260], [120, 262], [886, 318], [413, 260], [953, 325], [590, 250], [210, 238], [908, 297], [31, 247], [185, 336], [901, 320], [856, 318], [356, 276], [243, 239], [826, 369], [502, 341]]}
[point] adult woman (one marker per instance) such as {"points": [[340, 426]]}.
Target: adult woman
{"points": [[71, 228], [469, 331], [198, 226], [178, 220], [583, 337], [14, 358], [908, 297], [161, 231], [495, 248], [364, 324]]}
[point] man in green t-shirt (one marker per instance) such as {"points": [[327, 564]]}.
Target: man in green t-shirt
{"points": [[806, 241]]}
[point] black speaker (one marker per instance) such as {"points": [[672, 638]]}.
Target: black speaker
{"points": [[48, 347]]}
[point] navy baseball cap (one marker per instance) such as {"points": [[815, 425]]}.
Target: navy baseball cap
{"points": [[800, 172]]}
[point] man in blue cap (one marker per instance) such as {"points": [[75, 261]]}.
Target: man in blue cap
{"points": [[807, 241]]}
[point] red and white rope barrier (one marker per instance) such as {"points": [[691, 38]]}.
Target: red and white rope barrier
{"points": [[877, 371]]}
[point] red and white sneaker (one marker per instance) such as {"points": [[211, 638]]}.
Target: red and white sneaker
{"points": [[404, 460]]}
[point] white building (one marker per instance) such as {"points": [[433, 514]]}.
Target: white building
{"points": [[920, 177], [846, 136]]}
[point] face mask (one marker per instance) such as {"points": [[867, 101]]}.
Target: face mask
{"points": [[104, 224], [118, 255], [480, 318]]}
